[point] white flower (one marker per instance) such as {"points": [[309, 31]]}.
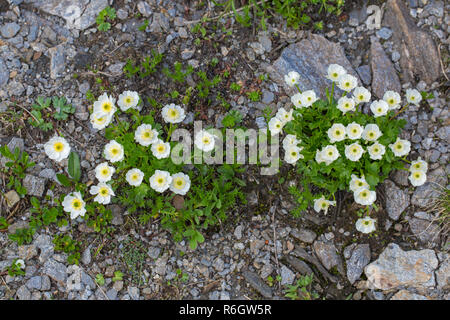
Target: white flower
{"points": [[357, 183], [347, 82], [180, 183], [290, 141], [329, 154], [292, 154], [296, 99], [354, 131], [173, 113], [160, 181], [364, 196], [99, 120], [275, 126], [393, 99], [379, 108], [400, 147], [354, 152], [365, 225], [161, 149], [318, 157], [127, 100], [419, 165], [205, 140], [361, 94], [371, 132], [283, 115], [134, 177], [335, 71], [103, 192], [323, 204], [105, 105], [292, 78], [145, 135], [308, 98], [74, 204], [376, 151], [57, 148], [114, 151], [413, 96], [346, 104], [104, 172], [20, 263], [417, 178], [336, 132]]}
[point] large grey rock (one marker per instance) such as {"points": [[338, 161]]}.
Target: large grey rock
{"points": [[424, 230], [419, 55], [443, 273], [384, 76], [79, 14], [9, 30], [23, 293], [359, 257], [34, 283], [397, 200], [44, 243], [327, 254], [406, 295], [287, 276], [396, 268], [258, 284], [55, 270], [425, 194], [304, 235], [35, 186], [310, 58]]}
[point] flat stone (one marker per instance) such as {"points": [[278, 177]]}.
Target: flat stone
{"points": [[397, 200], [57, 61], [34, 283], [401, 177], [384, 33], [423, 195], [443, 273], [310, 58], [111, 294], [9, 30], [23, 293], [359, 258], [257, 283], [4, 73], [35, 186], [238, 232], [287, 276], [11, 198], [304, 235], [406, 295], [144, 9], [55, 270], [424, 230], [419, 54], [327, 254], [365, 74], [134, 293], [395, 268], [384, 75], [27, 252], [299, 265]]}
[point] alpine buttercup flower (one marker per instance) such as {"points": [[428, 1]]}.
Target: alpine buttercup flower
{"points": [[103, 192], [74, 204], [292, 78], [413, 96], [357, 183], [393, 99], [371, 132], [361, 95], [180, 183], [329, 154], [296, 99], [354, 152], [173, 113], [160, 181], [334, 71], [376, 151], [205, 140], [346, 104], [418, 165], [57, 148], [400, 147], [347, 82], [284, 115], [114, 151], [417, 178], [364, 196], [336, 132], [308, 98], [365, 225], [105, 105], [290, 141], [104, 172], [145, 135], [127, 100], [134, 177], [292, 154], [379, 108], [275, 126], [323, 204], [354, 131], [161, 149], [100, 120]]}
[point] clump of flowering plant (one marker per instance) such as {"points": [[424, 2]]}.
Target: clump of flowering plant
{"points": [[336, 146]]}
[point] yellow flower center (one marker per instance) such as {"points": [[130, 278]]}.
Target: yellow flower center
{"points": [[161, 148], [106, 106], [76, 204], [361, 97], [105, 171], [103, 191], [206, 140], [58, 146], [173, 113], [179, 183], [147, 135], [160, 180], [399, 146], [115, 151], [128, 100]]}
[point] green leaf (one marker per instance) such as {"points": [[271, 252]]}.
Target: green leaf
{"points": [[63, 179], [74, 166]]}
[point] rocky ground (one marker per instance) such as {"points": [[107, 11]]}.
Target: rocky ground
{"points": [[49, 50]]}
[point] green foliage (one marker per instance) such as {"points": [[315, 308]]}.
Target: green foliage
{"points": [[133, 254], [16, 168], [42, 112], [104, 18], [118, 276], [15, 269], [235, 87], [178, 75], [99, 279], [22, 236], [3, 223], [254, 96], [232, 118], [205, 84], [145, 68], [67, 245], [74, 167], [303, 285]]}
